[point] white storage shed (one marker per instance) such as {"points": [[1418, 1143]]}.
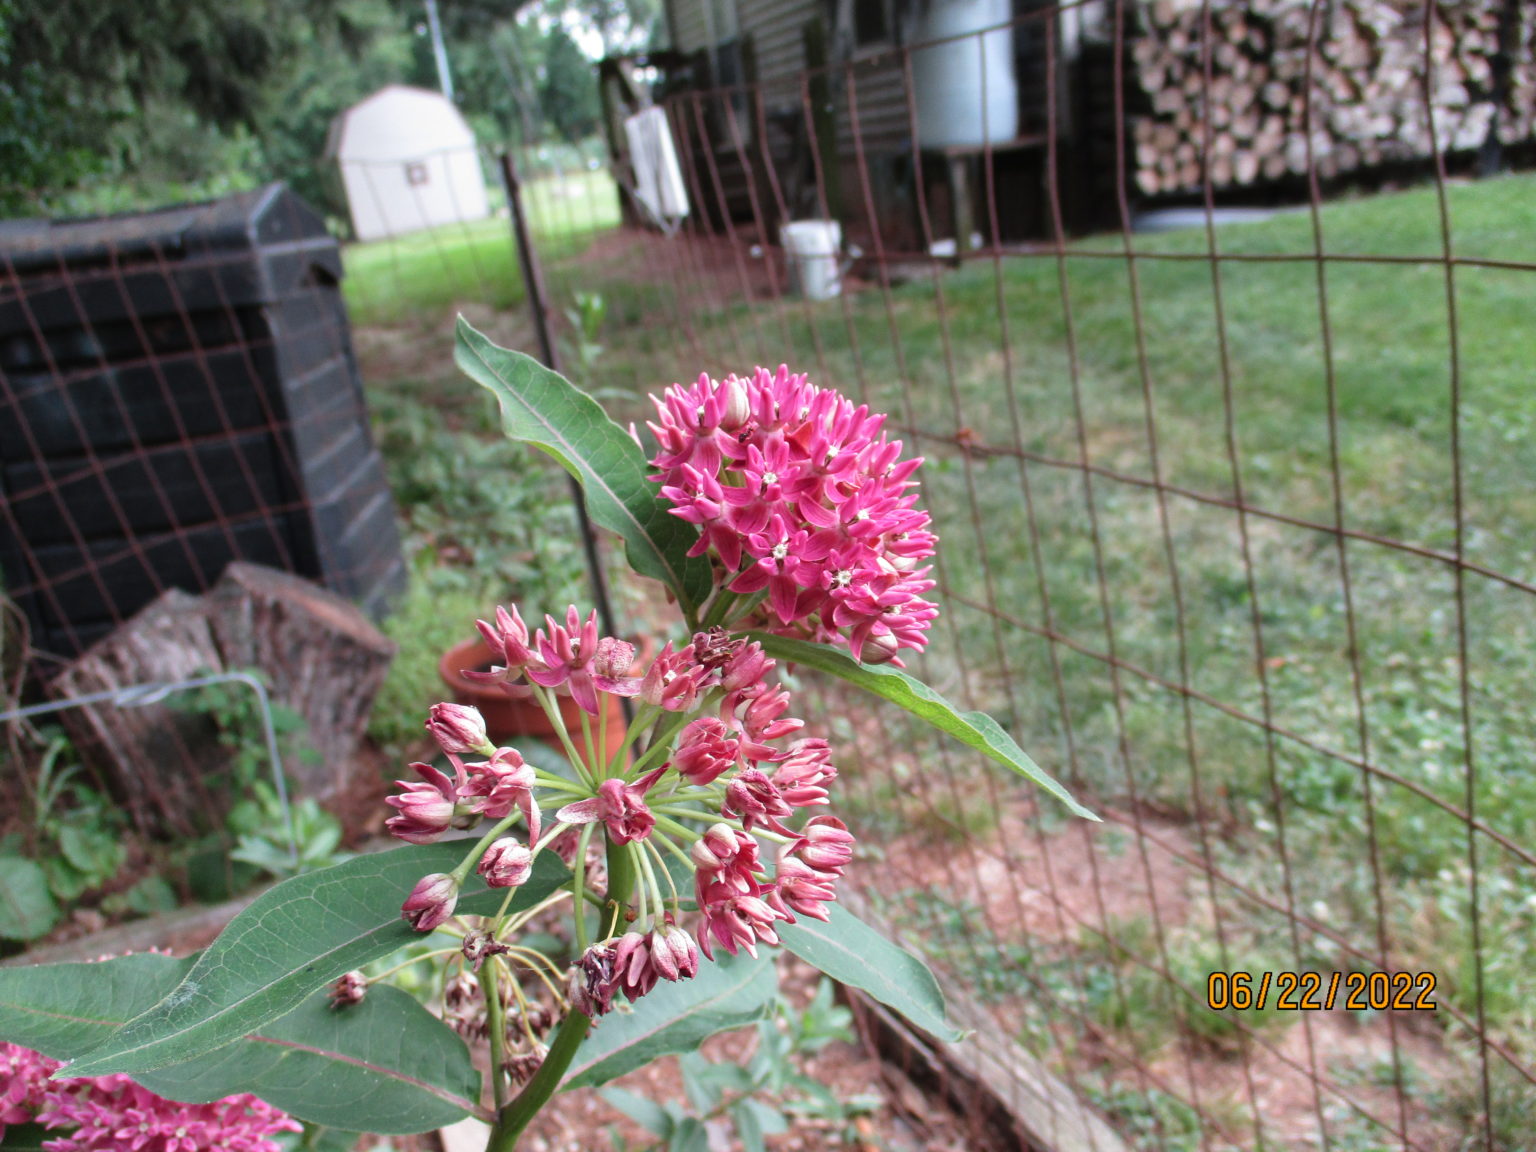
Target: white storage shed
{"points": [[408, 162]]}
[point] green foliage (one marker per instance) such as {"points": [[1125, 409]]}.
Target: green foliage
{"points": [[282, 843], [763, 1096], [269, 838], [73, 846], [236, 712], [1151, 1119], [541, 407], [727, 993], [585, 316], [290, 941], [568, 89], [484, 521], [27, 908], [386, 1063], [424, 625], [847, 949], [974, 729], [149, 93], [959, 938], [481, 514]]}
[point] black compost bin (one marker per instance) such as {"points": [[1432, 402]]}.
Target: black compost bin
{"points": [[178, 390]]}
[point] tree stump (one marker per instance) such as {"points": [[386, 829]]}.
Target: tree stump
{"points": [[161, 763], [317, 654]]}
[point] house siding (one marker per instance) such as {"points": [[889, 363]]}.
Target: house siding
{"points": [[777, 28], [690, 27], [879, 102]]}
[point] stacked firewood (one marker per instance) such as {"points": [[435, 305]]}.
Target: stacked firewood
{"points": [[1261, 90]]}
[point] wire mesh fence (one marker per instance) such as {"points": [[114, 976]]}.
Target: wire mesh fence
{"points": [[1234, 535], [1236, 518], [1233, 540]]}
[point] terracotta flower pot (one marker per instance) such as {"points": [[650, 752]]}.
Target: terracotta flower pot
{"points": [[507, 718]]}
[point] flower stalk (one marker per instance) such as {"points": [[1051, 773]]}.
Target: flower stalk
{"points": [[514, 1117]]}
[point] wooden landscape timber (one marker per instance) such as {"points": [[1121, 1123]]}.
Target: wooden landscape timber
{"points": [[1258, 91]]}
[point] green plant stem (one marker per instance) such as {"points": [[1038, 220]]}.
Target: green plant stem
{"points": [[723, 600], [462, 871], [649, 886], [599, 764], [512, 1118], [661, 863], [594, 764], [579, 886], [644, 715], [666, 843], [621, 874], [746, 605], [497, 1027], [559, 783], [551, 709], [661, 741]]}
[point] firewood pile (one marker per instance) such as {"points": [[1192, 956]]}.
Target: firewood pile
{"points": [[1352, 77]]}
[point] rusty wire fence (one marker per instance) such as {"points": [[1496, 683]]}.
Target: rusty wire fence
{"points": [[1236, 519], [1210, 320], [1236, 541]]}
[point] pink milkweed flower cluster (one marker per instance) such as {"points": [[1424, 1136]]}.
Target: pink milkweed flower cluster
{"points": [[113, 1114], [799, 496], [728, 757], [733, 762]]}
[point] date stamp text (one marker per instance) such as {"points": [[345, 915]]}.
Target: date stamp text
{"points": [[1315, 992]]}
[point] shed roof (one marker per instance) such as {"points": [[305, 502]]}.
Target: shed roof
{"points": [[398, 122]]}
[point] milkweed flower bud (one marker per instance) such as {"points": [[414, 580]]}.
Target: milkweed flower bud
{"points": [[674, 952], [753, 797], [431, 902], [613, 657], [426, 809], [349, 989], [502, 783], [726, 853], [825, 844], [800, 888], [619, 805], [804, 773], [458, 728], [706, 749], [632, 965], [506, 864], [736, 921], [673, 681]]}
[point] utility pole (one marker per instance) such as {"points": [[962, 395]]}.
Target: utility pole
{"points": [[439, 53]]}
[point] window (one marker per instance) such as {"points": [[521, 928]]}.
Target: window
{"points": [[871, 23], [416, 174]]}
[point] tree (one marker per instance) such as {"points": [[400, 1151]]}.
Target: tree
{"points": [[82, 80], [568, 93]]}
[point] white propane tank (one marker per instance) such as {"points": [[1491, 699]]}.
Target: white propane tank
{"points": [[966, 91]]}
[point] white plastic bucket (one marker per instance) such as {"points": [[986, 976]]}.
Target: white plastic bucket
{"points": [[812, 248], [967, 94]]}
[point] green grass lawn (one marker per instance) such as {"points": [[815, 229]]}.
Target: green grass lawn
{"points": [[422, 276], [1384, 332]]}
